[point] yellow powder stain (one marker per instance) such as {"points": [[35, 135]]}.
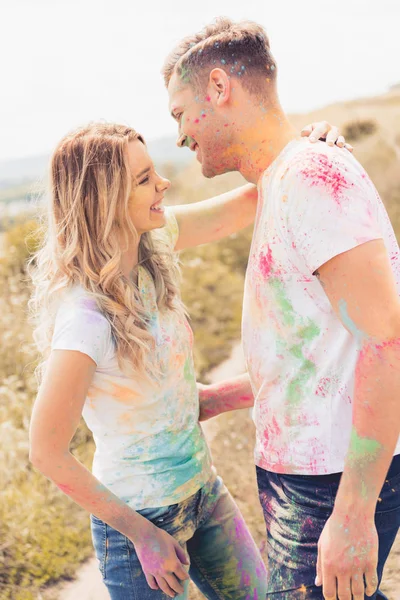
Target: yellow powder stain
{"points": [[234, 150], [284, 198], [379, 499], [127, 419], [123, 394], [180, 360], [303, 589], [93, 392]]}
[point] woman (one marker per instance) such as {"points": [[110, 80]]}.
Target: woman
{"points": [[117, 346]]}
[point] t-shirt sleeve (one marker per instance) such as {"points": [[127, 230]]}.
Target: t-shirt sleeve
{"points": [[171, 228], [83, 329], [331, 205]]}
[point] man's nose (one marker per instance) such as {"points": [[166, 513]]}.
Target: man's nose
{"points": [[181, 141]]}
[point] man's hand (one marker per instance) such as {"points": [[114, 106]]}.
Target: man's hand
{"points": [[348, 553], [323, 129]]}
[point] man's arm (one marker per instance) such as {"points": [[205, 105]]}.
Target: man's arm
{"points": [[361, 288], [225, 396]]}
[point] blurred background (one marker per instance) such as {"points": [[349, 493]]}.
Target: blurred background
{"points": [[68, 62]]}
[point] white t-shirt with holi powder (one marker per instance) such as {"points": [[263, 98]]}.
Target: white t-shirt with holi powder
{"points": [[150, 449], [315, 202]]}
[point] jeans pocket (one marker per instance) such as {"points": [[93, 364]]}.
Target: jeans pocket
{"points": [[99, 538], [308, 496], [160, 515]]}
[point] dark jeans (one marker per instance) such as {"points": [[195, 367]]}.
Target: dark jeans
{"points": [[296, 508]]}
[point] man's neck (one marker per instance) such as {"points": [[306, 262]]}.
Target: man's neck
{"points": [[264, 139]]}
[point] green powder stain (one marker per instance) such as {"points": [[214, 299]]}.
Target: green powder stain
{"points": [[362, 449], [310, 332], [283, 302], [306, 334], [185, 74]]}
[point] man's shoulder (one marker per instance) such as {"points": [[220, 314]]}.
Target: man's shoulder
{"points": [[318, 157]]}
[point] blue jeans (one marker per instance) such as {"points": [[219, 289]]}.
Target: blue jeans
{"points": [[296, 508], [225, 562]]}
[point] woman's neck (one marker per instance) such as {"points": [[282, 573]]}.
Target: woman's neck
{"points": [[129, 261]]}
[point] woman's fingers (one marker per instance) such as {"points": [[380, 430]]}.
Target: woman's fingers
{"points": [[152, 583], [332, 136], [307, 130], [174, 583], [164, 586], [321, 129], [340, 141]]}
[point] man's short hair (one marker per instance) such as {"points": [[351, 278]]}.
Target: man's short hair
{"points": [[241, 49]]}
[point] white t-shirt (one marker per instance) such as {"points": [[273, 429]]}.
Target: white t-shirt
{"points": [[315, 202], [150, 448]]}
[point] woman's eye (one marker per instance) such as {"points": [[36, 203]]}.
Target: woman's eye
{"points": [[144, 180]]}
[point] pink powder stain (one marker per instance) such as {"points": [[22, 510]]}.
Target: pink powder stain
{"points": [[67, 489], [266, 263], [197, 120], [245, 579], [275, 428], [323, 387], [203, 116], [319, 170], [208, 99], [240, 528]]}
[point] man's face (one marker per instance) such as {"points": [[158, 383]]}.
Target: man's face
{"points": [[203, 126]]}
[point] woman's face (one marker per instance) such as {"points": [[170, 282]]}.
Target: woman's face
{"points": [[146, 208]]}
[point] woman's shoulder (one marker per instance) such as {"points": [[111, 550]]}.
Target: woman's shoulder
{"points": [[79, 306], [80, 325]]}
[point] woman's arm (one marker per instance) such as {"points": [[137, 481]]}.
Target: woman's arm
{"points": [[218, 217], [225, 396], [55, 418]]}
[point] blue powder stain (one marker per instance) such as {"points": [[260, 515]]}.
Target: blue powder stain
{"points": [[349, 323], [223, 61]]}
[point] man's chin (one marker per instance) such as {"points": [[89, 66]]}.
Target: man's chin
{"points": [[210, 171]]}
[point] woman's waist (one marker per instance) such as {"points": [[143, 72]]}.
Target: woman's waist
{"points": [[147, 448]]}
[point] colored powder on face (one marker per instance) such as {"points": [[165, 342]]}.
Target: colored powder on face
{"points": [[185, 74], [319, 170]]}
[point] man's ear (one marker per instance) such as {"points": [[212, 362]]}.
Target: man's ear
{"points": [[220, 86]]}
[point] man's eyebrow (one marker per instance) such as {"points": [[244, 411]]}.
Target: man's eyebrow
{"points": [[146, 170]]}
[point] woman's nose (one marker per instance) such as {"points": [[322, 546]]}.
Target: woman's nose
{"points": [[163, 184]]}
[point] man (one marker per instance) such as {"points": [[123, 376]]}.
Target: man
{"points": [[321, 321]]}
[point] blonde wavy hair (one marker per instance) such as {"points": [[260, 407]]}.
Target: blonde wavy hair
{"points": [[86, 231]]}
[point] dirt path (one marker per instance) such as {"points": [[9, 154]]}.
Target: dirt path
{"points": [[231, 438]]}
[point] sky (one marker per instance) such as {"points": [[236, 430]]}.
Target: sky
{"points": [[68, 62]]}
